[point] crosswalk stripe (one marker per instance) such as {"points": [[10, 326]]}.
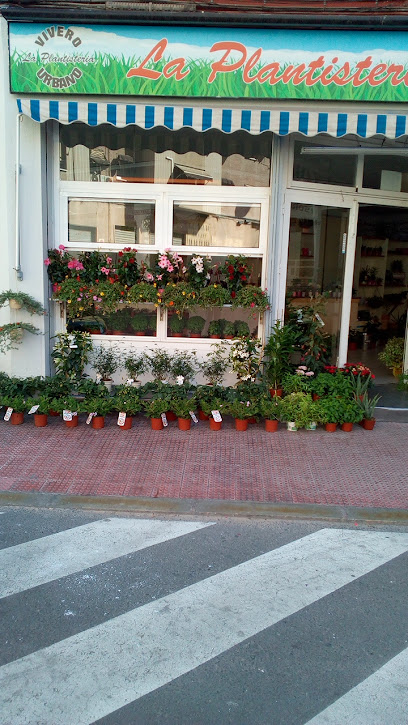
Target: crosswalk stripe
{"points": [[381, 698], [40, 561], [92, 674]]}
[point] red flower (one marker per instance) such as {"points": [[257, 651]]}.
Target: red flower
{"points": [[132, 260], [233, 295], [230, 268], [244, 279], [120, 254]]}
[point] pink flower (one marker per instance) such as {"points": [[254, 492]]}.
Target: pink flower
{"points": [[47, 261], [95, 298], [109, 260], [170, 267], [61, 247], [252, 304], [159, 276], [79, 266], [105, 270], [150, 278], [309, 374]]}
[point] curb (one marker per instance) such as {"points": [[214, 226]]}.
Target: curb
{"points": [[207, 507]]}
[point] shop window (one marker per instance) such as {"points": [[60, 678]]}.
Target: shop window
{"points": [[339, 170], [111, 222], [388, 173], [216, 225], [132, 155], [216, 323]]}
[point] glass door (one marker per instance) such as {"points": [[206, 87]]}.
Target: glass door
{"points": [[319, 269]]}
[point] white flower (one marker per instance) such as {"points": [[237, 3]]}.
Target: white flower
{"points": [[180, 379]]}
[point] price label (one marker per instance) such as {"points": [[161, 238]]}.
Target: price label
{"points": [[66, 415], [33, 409], [8, 413], [194, 417], [216, 415], [164, 419], [121, 419], [89, 418]]}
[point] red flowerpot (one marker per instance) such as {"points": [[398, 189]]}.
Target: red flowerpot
{"points": [[214, 337], [347, 427], [40, 420], [214, 425], [202, 415], [127, 424], [184, 423], [156, 423], [271, 426], [276, 392], [251, 420], [171, 416], [228, 337], [195, 334], [72, 423], [331, 427], [368, 424], [98, 422], [177, 334], [17, 418], [241, 424], [140, 333], [53, 414]]}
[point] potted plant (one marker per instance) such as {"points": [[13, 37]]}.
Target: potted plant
{"points": [[127, 400], [277, 354], [11, 334], [229, 330], [71, 353], [135, 365], [182, 407], [299, 411], [140, 323], [393, 355], [269, 409], [242, 411], [176, 325], [17, 300], [350, 413], [368, 406], [355, 339], [253, 298], [18, 405], [215, 365], [195, 325], [245, 357], [183, 365], [214, 295], [105, 361], [332, 384], [154, 409], [99, 406], [210, 405], [330, 411], [43, 404], [215, 329], [298, 382], [159, 363], [242, 329], [69, 407]]}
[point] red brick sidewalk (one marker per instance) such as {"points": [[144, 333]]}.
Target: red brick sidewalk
{"points": [[365, 469]]}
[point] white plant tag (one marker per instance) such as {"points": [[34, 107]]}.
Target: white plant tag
{"points": [[129, 381], [194, 417], [121, 419], [89, 418], [33, 409], [216, 415], [98, 377], [66, 415], [180, 380], [319, 319], [72, 347], [8, 413], [164, 419]]}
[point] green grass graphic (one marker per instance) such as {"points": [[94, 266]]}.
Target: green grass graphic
{"points": [[107, 76]]}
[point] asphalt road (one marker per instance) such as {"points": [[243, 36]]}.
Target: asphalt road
{"points": [[146, 621]]}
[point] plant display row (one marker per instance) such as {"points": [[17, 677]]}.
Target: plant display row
{"points": [[96, 283]]}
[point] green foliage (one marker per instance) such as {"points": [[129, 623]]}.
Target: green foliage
{"points": [[393, 354], [242, 409], [245, 357], [71, 353], [159, 362], [179, 297], [23, 299], [26, 387], [127, 400], [101, 405], [90, 388], [213, 296], [196, 324], [228, 329], [56, 386], [242, 329], [252, 297], [215, 327], [270, 408], [176, 324], [11, 334], [143, 292], [182, 406], [368, 405], [155, 407], [135, 364], [332, 384], [235, 273], [339, 410], [277, 353], [126, 267], [105, 360], [68, 402], [208, 393], [299, 408], [215, 364], [43, 401], [214, 403], [140, 322], [311, 340], [183, 364], [17, 402], [294, 383]]}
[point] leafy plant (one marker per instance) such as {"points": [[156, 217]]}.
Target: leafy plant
{"points": [[393, 354], [182, 406], [144, 292], [242, 409], [299, 408], [213, 296], [368, 405], [214, 366], [245, 357], [43, 401], [196, 324], [140, 322], [24, 300], [105, 360], [159, 362], [311, 340], [71, 353], [17, 402], [228, 329], [252, 297], [183, 365], [270, 408], [11, 334], [242, 329], [339, 410], [332, 384], [235, 273], [68, 402], [179, 297], [135, 364], [127, 400], [90, 388], [126, 268], [100, 404], [155, 407], [213, 403], [176, 324], [199, 270], [277, 353], [215, 328], [295, 383]]}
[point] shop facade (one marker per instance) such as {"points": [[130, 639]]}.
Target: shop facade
{"points": [[287, 149]]}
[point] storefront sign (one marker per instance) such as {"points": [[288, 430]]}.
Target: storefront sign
{"points": [[208, 62]]}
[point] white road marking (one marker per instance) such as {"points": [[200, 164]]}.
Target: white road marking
{"points": [[92, 674], [380, 699], [42, 560]]}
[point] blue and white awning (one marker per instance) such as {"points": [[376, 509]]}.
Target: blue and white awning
{"points": [[228, 120]]}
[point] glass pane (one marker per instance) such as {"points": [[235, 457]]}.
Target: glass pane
{"points": [[216, 225], [316, 260], [158, 156], [215, 323], [108, 222], [389, 173], [130, 320], [323, 169]]}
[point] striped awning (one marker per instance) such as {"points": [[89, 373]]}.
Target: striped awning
{"points": [[228, 120]]}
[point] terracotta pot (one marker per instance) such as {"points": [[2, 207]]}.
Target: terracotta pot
{"points": [[252, 420], [347, 427], [195, 334], [214, 337], [228, 337], [368, 424], [72, 423], [315, 396], [331, 427], [276, 392], [98, 422], [184, 423], [53, 414], [40, 420], [140, 333], [213, 424], [127, 424], [156, 423], [17, 418], [271, 426], [202, 416], [171, 416], [177, 334], [241, 424]]}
